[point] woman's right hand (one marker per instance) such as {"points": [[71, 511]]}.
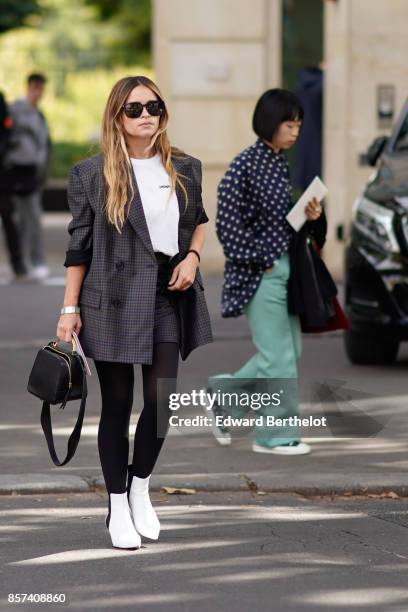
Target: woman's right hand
{"points": [[67, 324]]}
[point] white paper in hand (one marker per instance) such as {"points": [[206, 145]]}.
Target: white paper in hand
{"points": [[81, 352], [297, 216]]}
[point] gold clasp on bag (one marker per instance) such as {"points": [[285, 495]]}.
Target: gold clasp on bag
{"points": [[67, 361]]}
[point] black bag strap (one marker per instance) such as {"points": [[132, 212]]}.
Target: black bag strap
{"points": [[76, 433]]}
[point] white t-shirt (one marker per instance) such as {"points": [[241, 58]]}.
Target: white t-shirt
{"points": [[161, 212]]}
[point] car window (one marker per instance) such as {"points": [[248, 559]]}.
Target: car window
{"points": [[401, 143]]}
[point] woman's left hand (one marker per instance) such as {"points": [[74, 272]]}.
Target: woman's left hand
{"points": [[184, 273], [313, 210]]}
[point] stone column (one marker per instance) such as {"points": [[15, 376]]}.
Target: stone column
{"points": [[213, 59], [366, 44]]}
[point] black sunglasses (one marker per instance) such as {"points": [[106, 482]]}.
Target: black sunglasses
{"points": [[135, 109]]}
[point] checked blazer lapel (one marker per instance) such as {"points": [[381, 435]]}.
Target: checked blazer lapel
{"points": [[179, 164], [137, 218], [181, 167]]}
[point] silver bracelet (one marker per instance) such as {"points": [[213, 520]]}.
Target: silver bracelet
{"points": [[70, 310]]}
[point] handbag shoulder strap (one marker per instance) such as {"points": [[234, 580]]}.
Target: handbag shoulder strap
{"points": [[76, 433]]}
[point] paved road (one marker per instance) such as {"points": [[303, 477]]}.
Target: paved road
{"points": [[216, 551], [29, 316], [235, 542], [194, 457]]}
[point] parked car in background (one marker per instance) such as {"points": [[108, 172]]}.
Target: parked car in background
{"points": [[376, 256]]}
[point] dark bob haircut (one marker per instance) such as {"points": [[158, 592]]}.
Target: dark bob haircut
{"points": [[273, 108]]}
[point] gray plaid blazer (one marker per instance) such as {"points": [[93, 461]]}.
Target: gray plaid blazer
{"points": [[118, 292]]}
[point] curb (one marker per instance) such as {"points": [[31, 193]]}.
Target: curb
{"points": [[13, 484], [30, 484]]}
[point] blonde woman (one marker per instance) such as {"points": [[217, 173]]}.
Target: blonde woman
{"points": [[134, 292]]}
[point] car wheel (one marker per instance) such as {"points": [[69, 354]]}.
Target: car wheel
{"points": [[365, 349]]}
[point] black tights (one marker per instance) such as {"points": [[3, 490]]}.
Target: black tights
{"points": [[116, 381]]}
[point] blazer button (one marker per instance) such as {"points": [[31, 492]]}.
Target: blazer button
{"points": [[116, 303], [120, 265]]}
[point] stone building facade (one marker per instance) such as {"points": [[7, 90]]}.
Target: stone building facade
{"points": [[213, 58]]}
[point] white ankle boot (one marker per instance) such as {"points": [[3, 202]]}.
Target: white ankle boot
{"points": [[144, 516], [119, 522]]}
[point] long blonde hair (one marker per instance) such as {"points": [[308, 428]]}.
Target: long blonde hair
{"points": [[117, 168]]}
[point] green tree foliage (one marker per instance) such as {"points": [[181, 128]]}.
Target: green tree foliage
{"points": [[14, 13], [68, 37], [83, 50], [133, 17]]}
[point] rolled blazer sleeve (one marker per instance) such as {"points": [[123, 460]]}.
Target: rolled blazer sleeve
{"points": [[80, 227], [201, 216]]}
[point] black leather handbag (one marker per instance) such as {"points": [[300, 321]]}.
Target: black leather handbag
{"points": [[57, 377], [311, 288]]}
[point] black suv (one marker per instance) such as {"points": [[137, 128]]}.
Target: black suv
{"points": [[376, 256]]}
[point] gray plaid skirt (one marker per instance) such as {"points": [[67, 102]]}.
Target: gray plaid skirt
{"points": [[166, 322]]}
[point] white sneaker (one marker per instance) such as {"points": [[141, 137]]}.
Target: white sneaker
{"points": [[144, 516], [220, 432], [293, 448], [119, 523], [40, 272]]}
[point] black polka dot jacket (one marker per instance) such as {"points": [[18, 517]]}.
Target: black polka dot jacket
{"points": [[254, 197]]}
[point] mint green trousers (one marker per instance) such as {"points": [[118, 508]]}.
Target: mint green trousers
{"points": [[277, 337]]}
